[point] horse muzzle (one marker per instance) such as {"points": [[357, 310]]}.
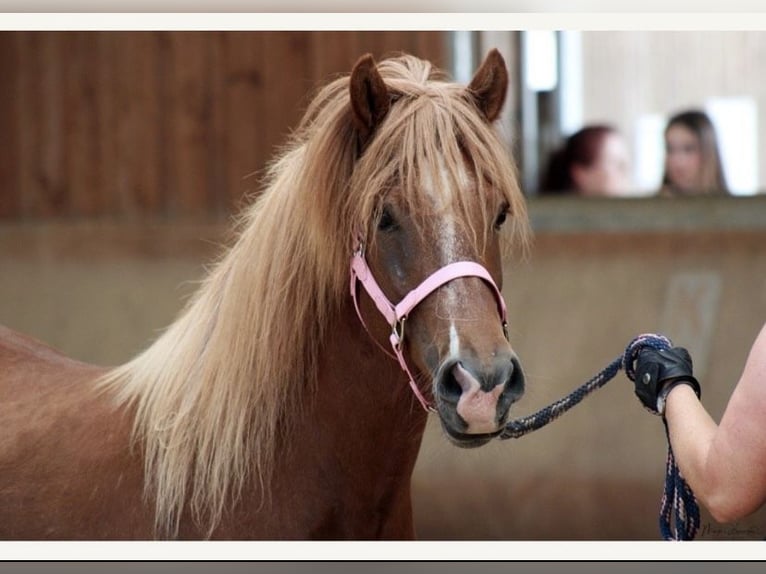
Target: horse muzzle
{"points": [[474, 398]]}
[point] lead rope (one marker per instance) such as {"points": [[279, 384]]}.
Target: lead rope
{"points": [[678, 500]]}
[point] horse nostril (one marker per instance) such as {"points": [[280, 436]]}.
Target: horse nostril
{"points": [[515, 380], [449, 387]]}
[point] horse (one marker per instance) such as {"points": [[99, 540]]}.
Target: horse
{"points": [[270, 408]]}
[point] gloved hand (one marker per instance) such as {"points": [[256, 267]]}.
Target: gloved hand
{"points": [[658, 371]]}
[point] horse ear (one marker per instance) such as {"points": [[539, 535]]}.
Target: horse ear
{"points": [[369, 97], [490, 85]]}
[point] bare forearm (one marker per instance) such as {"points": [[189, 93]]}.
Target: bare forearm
{"points": [[718, 461], [724, 464], [692, 432]]}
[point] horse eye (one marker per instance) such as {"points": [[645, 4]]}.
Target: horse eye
{"points": [[386, 221], [501, 218]]}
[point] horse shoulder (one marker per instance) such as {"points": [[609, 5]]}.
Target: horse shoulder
{"points": [[57, 428]]}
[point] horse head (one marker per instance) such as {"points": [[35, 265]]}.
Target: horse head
{"points": [[430, 253]]}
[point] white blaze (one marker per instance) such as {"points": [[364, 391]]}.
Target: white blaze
{"points": [[454, 342], [442, 196]]}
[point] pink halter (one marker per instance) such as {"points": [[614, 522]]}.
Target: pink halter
{"points": [[396, 315]]}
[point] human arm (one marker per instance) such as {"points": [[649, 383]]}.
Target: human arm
{"points": [[725, 464]]}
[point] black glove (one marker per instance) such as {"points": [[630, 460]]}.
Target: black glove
{"points": [[659, 371]]}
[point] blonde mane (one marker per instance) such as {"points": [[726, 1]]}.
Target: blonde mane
{"points": [[214, 394]]}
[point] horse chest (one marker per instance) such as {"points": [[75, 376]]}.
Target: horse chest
{"points": [[387, 516], [333, 501]]}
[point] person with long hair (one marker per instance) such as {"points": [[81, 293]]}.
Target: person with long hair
{"points": [[592, 162], [692, 159]]}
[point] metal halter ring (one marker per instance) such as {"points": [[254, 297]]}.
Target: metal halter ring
{"points": [[398, 330]]}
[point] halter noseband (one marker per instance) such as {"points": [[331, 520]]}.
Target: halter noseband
{"points": [[396, 315]]}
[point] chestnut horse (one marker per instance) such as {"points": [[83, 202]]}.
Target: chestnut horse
{"points": [[268, 410]]}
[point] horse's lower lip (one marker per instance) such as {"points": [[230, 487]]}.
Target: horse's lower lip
{"points": [[470, 440]]}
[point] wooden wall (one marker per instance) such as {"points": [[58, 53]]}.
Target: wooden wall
{"points": [[166, 124]]}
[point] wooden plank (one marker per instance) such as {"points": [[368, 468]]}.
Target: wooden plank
{"points": [[128, 124], [81, 101], [54, 192], [244, 145], [336, 52], [26, 72], [287, 81], [385, 44], [137, 123], [42, 178], [424, 45], [433, 47], [133, 124], [330, 55], [141, 125], [268, 79], [188, 96], [10, 184], [217, 174], [106, 74]]}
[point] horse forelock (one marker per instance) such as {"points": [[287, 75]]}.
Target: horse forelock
{"points": [[434, 133], [214, 394]]}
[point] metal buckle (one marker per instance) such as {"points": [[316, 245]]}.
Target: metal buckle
{"points": [[398, 330], [359, 248]]}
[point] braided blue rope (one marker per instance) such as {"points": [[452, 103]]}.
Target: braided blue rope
{"points": [[678, 501]]}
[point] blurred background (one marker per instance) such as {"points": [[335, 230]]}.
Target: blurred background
{"points": [[123, 156]]}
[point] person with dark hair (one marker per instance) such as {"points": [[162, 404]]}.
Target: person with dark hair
{"points": [[592, 162], [725, 464], [692, 160]]}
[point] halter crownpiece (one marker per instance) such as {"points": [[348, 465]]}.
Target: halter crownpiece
{"points": [[396, 315]]}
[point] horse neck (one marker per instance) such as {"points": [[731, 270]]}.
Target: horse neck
{"points": [[365, 388], [360, 431], [361, 383]]}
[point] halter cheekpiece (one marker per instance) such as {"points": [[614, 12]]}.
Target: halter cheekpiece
{"points": [[396, 315]]}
